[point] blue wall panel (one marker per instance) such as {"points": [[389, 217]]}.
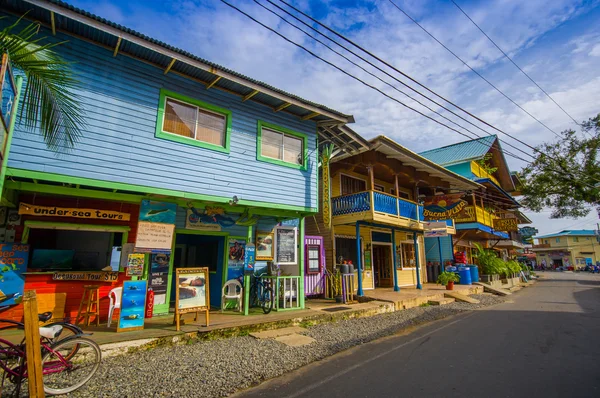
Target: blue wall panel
{"points": [[432, 251], [120, 97]]}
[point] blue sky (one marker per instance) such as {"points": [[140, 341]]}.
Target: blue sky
{"points": [[557, 42]]}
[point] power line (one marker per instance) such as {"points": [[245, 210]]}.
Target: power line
{"points": [[513, 62], [473, 70], [383, 81]]}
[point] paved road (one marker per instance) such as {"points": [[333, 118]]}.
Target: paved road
{"points": [[543, 342]]}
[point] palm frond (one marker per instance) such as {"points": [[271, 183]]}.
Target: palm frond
{"points": [[48, 99]]}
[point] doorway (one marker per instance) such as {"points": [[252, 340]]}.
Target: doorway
{"points": [[199, 250], [382, 264]]}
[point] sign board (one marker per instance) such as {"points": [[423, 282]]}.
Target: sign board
{"points": [[53, 211], [443, 207], [286, 247], [192, 294], [159, 276], [249, 258], [157, 236], [133, 304], [13, 263], [435, 233], [100, 276], [367, 265], [200, 223], [264, 245], [430, 225], [135, 264], [326, 185], [235, 258], [506, 224], [162, 212]]}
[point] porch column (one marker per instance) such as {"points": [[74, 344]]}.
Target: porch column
{"points": [[371, 186], [441, 259], [395, 259], [358, 261], [247, 280], [301, 261], [417, 252]]}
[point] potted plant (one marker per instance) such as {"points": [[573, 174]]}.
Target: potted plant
{"points": [[336, 286], [447, 279], [490, 265]]}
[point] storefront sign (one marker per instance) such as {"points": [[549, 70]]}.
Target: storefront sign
{"points": [[162, 212], [192, 292], [506, 224], [326, 185], [201, 223], [285, 245], [435, 233], [154, 236], [54, 211], [431, 225], [99, 276], [249, 258], [133, 304], [443, 207], [235, 258], [135, 264], [13, 263]]}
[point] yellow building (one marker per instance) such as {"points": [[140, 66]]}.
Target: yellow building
{"points": [[371, 215], [568, 248]]}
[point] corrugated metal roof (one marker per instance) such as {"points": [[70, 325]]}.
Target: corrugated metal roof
{"points": [[40, 10], [569, 232], [460, 152]]}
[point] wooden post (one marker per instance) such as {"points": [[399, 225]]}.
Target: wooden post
{"points": [[32, 342], [371, 178]]}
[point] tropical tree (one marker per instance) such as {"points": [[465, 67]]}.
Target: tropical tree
{"points": [[565, 175], [48, 102]]}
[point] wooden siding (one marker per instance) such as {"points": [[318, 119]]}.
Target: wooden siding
{"points": [[120, 96]]}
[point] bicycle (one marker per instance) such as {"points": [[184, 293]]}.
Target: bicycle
{"points": [[67, 363], [261, 293]]}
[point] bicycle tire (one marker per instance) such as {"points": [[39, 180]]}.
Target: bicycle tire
{"points": [[58, 372], [267, 300], [68, 331]]}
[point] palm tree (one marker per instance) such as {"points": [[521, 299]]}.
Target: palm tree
{"points": [[48, 102]]}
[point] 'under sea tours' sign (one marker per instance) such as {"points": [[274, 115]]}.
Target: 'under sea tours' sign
{"points": [[443, 207], [53, 211]]}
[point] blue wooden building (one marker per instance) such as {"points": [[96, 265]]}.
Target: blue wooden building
{"points": [[235, 156]]}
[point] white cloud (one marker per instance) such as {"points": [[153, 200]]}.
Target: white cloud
{"points": [[595, 51]]}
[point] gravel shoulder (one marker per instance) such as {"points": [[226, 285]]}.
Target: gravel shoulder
{"points": [[221, 367]]}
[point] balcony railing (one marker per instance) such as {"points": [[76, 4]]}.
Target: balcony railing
{"points": [[541, 246], [377, 202], [477, 214]]}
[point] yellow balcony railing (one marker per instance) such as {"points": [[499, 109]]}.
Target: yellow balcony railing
{"points": [[481, 173], [477, 214]]}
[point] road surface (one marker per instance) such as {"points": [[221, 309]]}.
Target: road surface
{"points": [[543, 342]]}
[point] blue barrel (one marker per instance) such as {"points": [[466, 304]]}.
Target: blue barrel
{"points": [[474, 273], [465, 275]]}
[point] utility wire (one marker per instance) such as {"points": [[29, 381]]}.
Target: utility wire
{"points": [[385, 82], [514, 63], [473, 70], [389, 75]]}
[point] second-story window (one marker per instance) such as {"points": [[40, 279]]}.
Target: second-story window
{"points": [[190, 121], [281, 146], [557, 240]]}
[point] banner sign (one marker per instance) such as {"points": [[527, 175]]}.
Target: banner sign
{"points": [[52, 211], [431, 225], [154, 236], [86, 276], [326, 185], [435, 233], [13, 263], [506, 224], [443, 207]]}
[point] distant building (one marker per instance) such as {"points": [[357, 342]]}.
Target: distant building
{"points": [[568, 248]]}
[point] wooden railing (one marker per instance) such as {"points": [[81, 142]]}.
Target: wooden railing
{"points": [[377, 201], [477, 214], [481, 173]]}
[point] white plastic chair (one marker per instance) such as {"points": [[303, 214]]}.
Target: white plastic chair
{"points": [[232, 290], [115, 302]]}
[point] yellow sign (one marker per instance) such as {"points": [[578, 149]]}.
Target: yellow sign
{"points": [[440, 213], [110, 276], [54, 211], [506, 224], [326, 187]]}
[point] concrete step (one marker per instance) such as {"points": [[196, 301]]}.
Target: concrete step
{"points": [[443, 301], [461, 297], [295, 340], [515, 288], [272, 334], [495, 290]]}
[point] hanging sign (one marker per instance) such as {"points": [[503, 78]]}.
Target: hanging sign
{"points": [[506, 224], [154, 236], [443, 207], [53, 211], [435, 233], [326, 185]]}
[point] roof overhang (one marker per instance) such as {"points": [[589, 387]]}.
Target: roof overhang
{"points": [[62, 17], [502, 195]]}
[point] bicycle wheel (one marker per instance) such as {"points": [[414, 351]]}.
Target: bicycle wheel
{"points": [[68, 330], [62, 376], [267, 300]]}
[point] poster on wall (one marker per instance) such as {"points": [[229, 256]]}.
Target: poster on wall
{"points": [[235, 263], [285, 246], [250, 258], [367, 265], [133, 303], [13, 217], [159, 276], [264, 245], [135, 264], [154, 236], [192, 292], [161, 212], [13, 263]]}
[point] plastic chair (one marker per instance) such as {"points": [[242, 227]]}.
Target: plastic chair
{"points": [[232, 290], [115, 302]]}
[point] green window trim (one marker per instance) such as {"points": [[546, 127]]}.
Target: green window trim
{"points": [[284, 130], [164, 94]]}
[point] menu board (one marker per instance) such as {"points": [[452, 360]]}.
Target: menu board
{"points": [[285, 245]]}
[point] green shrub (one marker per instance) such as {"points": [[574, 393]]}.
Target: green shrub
{"points": [[446, 277]]}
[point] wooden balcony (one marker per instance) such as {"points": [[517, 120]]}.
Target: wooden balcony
{"points": [[377, 207], [477, 214], [541, 246]]}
